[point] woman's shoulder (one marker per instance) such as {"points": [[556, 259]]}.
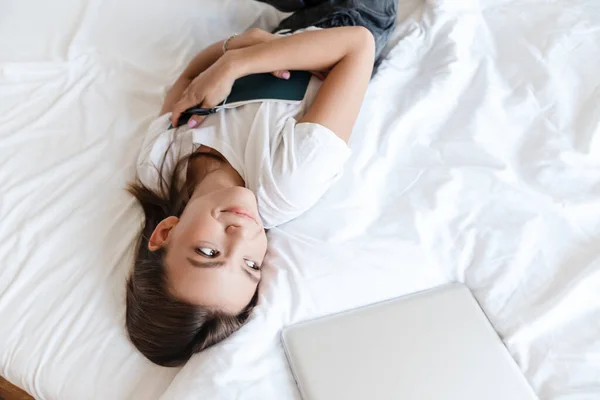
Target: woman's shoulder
{"points": [[307, 159]]}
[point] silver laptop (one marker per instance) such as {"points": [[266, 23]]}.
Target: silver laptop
{"points": [[436, 344]]}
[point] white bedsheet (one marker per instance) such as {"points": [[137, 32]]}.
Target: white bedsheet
{"points": [[79, 83], [476, 159]]}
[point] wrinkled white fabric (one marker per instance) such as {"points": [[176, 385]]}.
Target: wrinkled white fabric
{"points": [[476, 158]]}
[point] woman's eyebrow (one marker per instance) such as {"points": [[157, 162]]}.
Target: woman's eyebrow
{"points": [[207, 264], [218, 264]]}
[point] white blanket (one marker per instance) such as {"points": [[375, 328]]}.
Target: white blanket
{"points": [[476, 159]]}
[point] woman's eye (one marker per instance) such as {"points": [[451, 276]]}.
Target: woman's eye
{"points": [[207, 252], [252, 265]]}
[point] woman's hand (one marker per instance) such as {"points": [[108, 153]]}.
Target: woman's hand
{"points": [[207, 90], [203, 61]]}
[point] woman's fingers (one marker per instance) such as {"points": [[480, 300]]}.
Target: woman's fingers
{"points": [[195, 120], [286, 74], [182, 105], [281, 74]]}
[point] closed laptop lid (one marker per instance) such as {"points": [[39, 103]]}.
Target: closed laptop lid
{"points": [[436, 344]]}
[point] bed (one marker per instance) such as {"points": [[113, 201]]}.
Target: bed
{"points": [[476, 158]]}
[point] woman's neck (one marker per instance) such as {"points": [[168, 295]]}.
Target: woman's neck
{"points": [[208, 173]]}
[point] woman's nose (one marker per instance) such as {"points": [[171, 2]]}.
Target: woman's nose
{"points": [[243, 231], [237, 230]]}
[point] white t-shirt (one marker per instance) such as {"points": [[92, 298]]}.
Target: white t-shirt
{"points": [[289, 166]]}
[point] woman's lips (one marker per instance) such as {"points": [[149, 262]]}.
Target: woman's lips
{"points": [[242, 212]]}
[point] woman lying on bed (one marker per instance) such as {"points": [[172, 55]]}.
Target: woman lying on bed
{"points": [[211, 188]]}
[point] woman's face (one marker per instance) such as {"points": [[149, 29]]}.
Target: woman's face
{"points": [[214, 250]]}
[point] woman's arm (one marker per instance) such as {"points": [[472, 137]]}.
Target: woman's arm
{"points": [[348, 52], [212, 53]]}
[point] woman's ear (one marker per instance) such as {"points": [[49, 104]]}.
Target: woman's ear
{"points": [[161, 233]]}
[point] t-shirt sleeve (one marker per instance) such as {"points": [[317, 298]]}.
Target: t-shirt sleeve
{"points": [[306, 160]]}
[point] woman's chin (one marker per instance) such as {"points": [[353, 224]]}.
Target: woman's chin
{"points": [[238, 196]]}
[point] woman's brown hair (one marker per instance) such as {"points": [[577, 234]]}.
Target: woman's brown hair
{"points": [[166, 330]]}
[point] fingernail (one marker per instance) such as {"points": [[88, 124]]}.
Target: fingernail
{"points": [[192, 123], [285, 75]]}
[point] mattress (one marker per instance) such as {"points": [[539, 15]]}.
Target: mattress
{"points": [[476, 158]]}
